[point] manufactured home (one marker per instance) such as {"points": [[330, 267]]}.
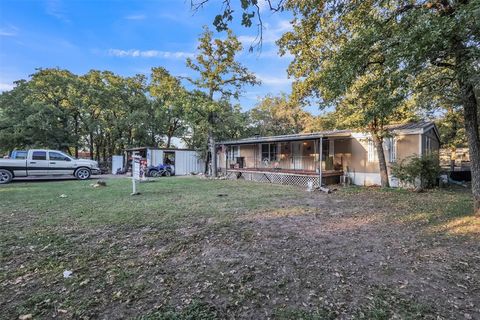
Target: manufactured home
{"points": [[326, 156]]}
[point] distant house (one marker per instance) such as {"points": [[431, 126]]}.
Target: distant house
{"points": [[327, 155]]}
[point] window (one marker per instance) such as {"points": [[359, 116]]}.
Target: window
{"points": [[390, 145], [233, 152], [20, 155], [39, 155], [169, 158], [269, 151], [325, 149], [372, 152], [389, 149], [427, 145], [57, 156]]}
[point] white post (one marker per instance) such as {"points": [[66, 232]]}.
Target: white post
{"points": [[135, 172], [320, 158], [134, 186]]}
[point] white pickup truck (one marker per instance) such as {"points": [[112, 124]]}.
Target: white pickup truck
{"points": [[40, 162]]}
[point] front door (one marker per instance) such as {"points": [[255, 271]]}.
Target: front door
{"points": [[38, 165], [59, 164], [297, 152]]}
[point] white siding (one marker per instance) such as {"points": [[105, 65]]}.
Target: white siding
{"points": [[155, 157], [117, 163], [186, 162], [370, 179]]}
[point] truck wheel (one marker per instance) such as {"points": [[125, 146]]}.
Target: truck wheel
{"points": [[5, 176], [83, 173]]}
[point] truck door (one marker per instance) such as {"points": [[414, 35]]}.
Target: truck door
{"points": [[59, 164], [38, 164]]}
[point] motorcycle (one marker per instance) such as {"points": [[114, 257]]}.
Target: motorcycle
{"points": [[160, 170]]}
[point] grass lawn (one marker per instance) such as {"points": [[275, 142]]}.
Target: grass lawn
{"points": [[191, 248]]}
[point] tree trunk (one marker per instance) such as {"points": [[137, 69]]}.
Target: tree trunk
{"points": [[213, 153], [470, 109], [207, 160], [104, 153], [97, 153], [211, 138], [153, 142], [76, 136], [470, 114], [169, 140], [91, 146], [378, 142]]}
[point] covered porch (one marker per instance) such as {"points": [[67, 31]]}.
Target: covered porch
{"points": [[291, 159]]}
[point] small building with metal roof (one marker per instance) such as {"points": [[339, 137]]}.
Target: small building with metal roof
{"points": [[184, 161]]}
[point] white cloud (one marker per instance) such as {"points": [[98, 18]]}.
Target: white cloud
{"points": [[55, 9], [270, 33], [273, 53], [275, 80], [136, 17], [283, 26], [6, 86], [247, 40], [263, 6], [9, 31], [149, 53]]}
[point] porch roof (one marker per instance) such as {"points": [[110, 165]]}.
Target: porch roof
{"points": [[291, 137]]}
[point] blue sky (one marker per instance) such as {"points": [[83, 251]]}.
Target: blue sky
{"points": [[126, 37]]}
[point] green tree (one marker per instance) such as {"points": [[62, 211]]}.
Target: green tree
{"points": [[220, 76], [276, 115], [435, 42], [40, 112], [367, 89], [93, 100], [234, 122], [14, 114], [452, 129], [50, 90], [170, 103], [370, 104], [326, 121]]}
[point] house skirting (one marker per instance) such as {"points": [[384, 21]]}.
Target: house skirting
{"points": [[296, 179], [370, 179]]}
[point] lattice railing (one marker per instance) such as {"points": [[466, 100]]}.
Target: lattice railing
{"points": [[275, 177]]}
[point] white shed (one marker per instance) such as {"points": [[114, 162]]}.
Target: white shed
{"points": [[184, 161]]}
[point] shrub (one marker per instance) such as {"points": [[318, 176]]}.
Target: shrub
{"points": [[419, 172]]}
